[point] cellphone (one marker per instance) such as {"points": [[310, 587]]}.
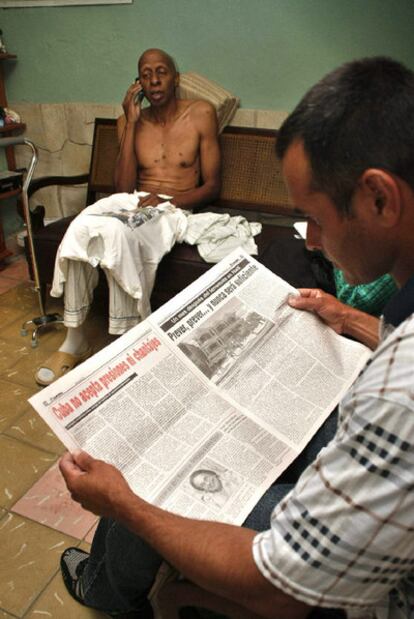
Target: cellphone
{"points": [[140, 96]]}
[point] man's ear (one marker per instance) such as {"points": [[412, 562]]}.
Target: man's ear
{"points": [[381, 191]]}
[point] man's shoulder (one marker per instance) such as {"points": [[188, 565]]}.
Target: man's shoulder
{"points": [[394, 336], [196, 105], [198, 109], [201, 113]]}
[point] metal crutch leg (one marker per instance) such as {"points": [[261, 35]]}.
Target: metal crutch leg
{"points": [[44, 319]]}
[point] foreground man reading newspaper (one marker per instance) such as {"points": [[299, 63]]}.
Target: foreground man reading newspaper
{"points": [[343, 536], [222, 378], [205, 403]]}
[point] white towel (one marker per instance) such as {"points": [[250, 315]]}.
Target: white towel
{"points": [[217, 234]]}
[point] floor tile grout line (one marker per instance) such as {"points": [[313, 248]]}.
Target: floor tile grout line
{"points": [[77, 541], [8, 511], [39, 595], [8, 613], [38, 447], [29, 609], [26, 442]]}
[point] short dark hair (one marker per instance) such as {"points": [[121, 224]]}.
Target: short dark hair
{"points": [[357, 117]]}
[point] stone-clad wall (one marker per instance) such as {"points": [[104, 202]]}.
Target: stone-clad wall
{"points": [[63, 135]]}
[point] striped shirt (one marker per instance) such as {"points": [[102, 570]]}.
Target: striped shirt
{"points": [[344, 536]]}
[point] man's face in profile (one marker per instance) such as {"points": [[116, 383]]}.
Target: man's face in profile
{"points": [[206, 481], [347, 242]]}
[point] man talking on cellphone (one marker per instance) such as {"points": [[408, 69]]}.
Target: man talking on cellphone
{"points": [[168, 149]]}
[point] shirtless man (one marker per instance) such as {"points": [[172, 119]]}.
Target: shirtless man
{"points": [[171, 144], [167, 149]]}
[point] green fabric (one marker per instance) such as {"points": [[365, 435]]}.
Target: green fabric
{"points": [[370, 298]]}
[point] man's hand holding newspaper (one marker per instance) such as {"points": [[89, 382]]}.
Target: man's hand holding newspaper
{"points": [[98, 486]]}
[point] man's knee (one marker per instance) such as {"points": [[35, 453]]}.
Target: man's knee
{"points": [[131, 564]]}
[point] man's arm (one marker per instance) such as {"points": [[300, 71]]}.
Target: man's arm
{"points": [[217, 557], [126, 165], [343, 319]]}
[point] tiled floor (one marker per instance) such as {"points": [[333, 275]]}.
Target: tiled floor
{"points": [[37, 517]]}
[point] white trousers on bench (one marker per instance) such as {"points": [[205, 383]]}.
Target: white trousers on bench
{"points": [[81, 281], [128, 243]]}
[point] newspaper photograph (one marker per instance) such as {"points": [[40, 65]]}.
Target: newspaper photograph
{"points": [[205, 403]]}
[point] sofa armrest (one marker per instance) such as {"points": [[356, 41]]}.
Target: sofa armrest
{"points": [[48, 181]]}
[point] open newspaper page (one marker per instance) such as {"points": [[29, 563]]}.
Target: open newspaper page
{"points": [[207, 401], [282, 367]]}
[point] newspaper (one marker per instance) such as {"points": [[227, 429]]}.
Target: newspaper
{"points": [[206, 402]]}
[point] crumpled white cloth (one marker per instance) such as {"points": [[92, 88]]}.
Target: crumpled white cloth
{"points": [[122, 238], [129, 241], [217, 234]]}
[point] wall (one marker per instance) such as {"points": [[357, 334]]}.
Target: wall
{"points": [[266, 51]]}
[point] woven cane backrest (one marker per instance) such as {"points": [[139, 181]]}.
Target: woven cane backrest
{"points": [[104, 155], [251, 172]]}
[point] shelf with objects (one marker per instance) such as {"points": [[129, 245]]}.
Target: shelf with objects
{"points": [[10, 179]]}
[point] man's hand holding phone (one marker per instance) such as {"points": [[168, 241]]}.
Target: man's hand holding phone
{"points": [[138, 98], [132, 101]]}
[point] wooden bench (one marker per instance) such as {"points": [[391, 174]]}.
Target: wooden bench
{"points": [[252, 185]]}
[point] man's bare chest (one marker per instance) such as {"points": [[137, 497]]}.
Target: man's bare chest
{"points": [[176, 147]]}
